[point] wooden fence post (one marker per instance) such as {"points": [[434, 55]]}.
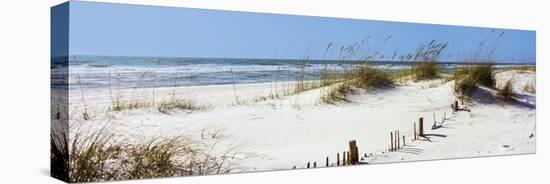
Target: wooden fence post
{"points": [[421, 127], [404, 141], [349, 158], [391, 141], [354, 152], [398, 140], [434, 119], [344, 158], [414, 130], [327, 162], [307, 164], [337, 159]]}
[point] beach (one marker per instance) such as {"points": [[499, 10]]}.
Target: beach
{"points": [[273, 132]]}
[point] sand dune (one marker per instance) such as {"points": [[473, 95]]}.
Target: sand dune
{"points": [[292, 130]]}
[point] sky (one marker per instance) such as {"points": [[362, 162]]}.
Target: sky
{"points": [[137, 30]]}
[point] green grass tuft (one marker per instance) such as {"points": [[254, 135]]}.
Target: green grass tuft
{"points": [[506, 93], [425, 70], [469, 77], [364, 77], [180, 104]]}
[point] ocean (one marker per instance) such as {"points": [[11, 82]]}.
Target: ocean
{"points": [[130, 72]]}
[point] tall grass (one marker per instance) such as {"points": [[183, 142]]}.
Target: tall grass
{"points": [[530, 87], [468, 78], [102, 156], [367, 77], [506, 92], [425, 70], [481, 73], [363, 77], [118, 103], [327, 77], [181, 104], [59, 155], [427, 57]]}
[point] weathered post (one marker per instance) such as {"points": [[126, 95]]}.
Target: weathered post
{"points": [[404, 141], [308, 165], [414, 130], [191, 165], [314, 164], [337, 159], [344, 158], [398, 140], [391, 141], [421, 127], [349, 159], [327, 163], [354, 152]]}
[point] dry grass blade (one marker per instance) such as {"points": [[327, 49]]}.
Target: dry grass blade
{"points": [[101, 156]]}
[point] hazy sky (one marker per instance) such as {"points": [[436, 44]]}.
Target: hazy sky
{"points": [[132, 30]]}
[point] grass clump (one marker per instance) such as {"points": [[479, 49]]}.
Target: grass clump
{"points": [[426, 57], [89, 158], [425, 70], [529, 88], [59, 155], [101, 156], [469, 77], [180, 104], [401, 74], [506, 92], [367, 77], [483, 75], [337, 92], [119, 104], [364, 77]]}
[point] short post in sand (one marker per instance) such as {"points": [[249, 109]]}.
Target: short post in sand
{"points": [[354, 152], [308, 165], [404, 141], [398, 141], [391, 141], [349, 158], [421, 127], [344, 158], [456, 106], [435, 122], [414, 130], [337, 159], [314, 164], [327, 163]]}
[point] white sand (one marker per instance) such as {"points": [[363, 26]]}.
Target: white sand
{"points": [[294, 130]]}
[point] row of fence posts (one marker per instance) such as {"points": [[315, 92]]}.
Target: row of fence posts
{"points": [[397, 141], [350, 157]]}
